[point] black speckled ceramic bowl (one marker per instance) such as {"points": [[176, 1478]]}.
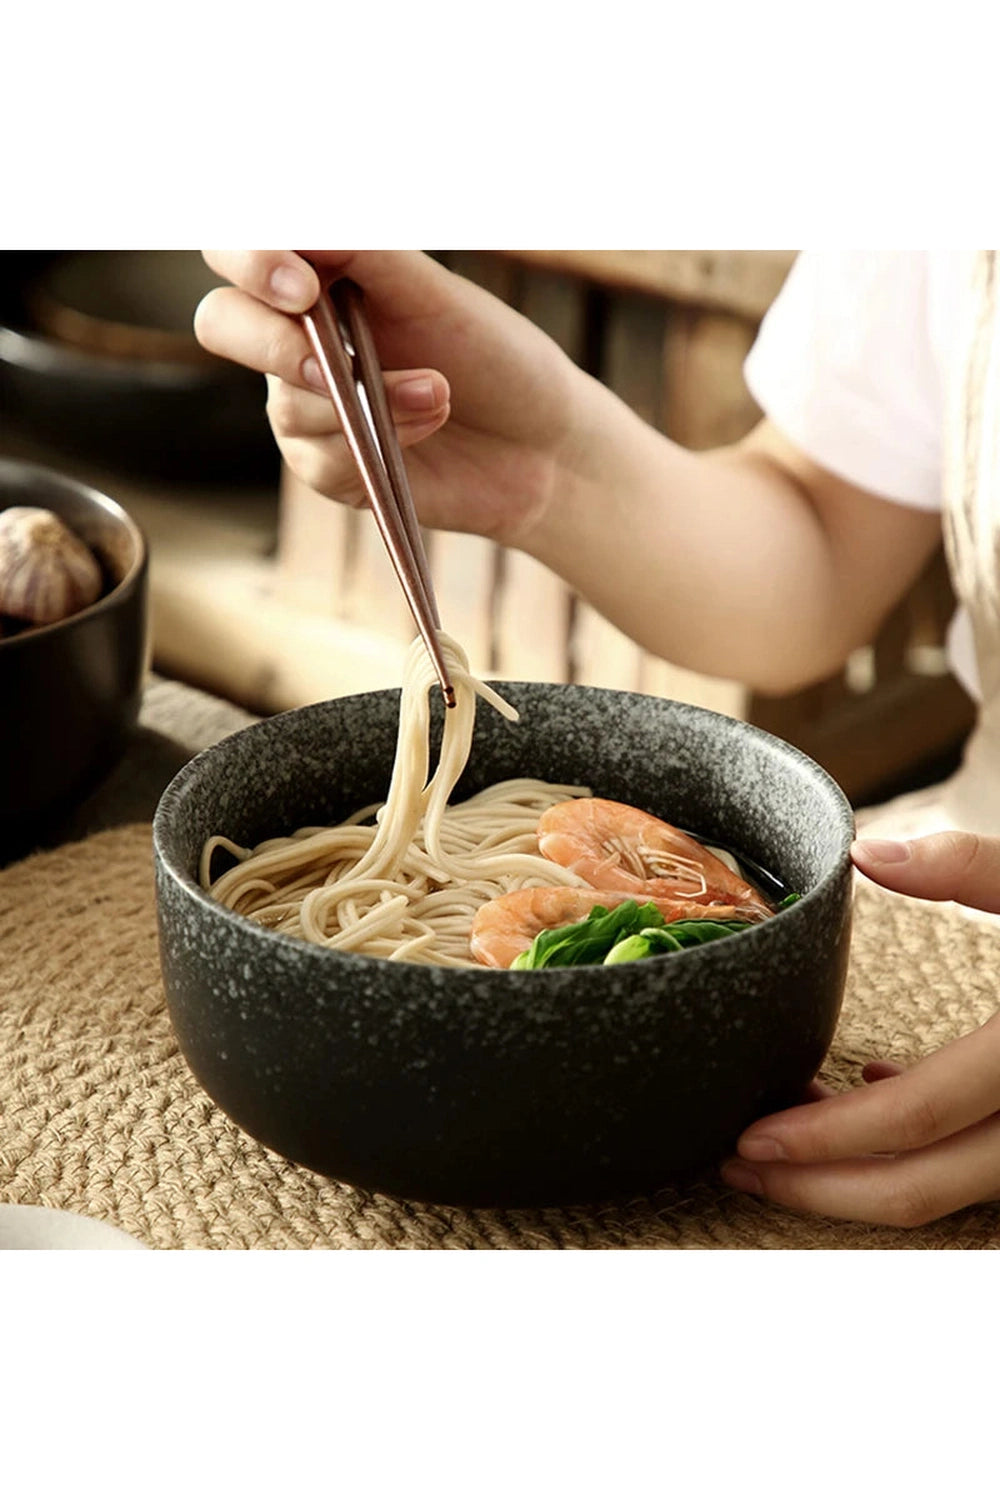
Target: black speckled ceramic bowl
{"points": [[488, 1087]]}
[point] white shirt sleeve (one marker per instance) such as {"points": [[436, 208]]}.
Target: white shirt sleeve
{"points": [[845, 367]]}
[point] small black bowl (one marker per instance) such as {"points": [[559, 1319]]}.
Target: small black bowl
{"points": [[70, 691], [484, 1086]]}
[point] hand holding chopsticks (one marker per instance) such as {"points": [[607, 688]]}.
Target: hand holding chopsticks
{"points": [[338, 331]]}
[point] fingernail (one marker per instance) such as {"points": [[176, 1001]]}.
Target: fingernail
{"points": [[289, 286], [882, 851], [415, 395], [740, 1176], [312, 374], [762, 1148]]}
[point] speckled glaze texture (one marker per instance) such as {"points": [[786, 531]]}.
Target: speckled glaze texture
{"points": [[482, 1087]]}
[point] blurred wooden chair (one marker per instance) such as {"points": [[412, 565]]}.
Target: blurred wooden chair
{"points": [[668, 331]]}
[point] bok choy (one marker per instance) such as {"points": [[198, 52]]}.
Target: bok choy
{"points": [[622, 935]]}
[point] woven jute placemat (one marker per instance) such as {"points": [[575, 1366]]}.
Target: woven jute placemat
{"points": [[99, 1113]]}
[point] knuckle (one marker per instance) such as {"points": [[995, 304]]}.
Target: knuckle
{"points": [[970, 862], [324, 465], [908, 1202], [309, 466], [282, 408], [965, 851], [318, 468], [281, 353], [913, 1120]]}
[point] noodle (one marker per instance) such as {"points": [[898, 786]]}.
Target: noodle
{"points": [[404, 879]]}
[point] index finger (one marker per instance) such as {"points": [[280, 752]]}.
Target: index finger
{"points": [[278, 277], [951, 866], [939, 1096], [402, 283]]}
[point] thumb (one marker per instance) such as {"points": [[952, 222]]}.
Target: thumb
{"points": [[950, 866]]}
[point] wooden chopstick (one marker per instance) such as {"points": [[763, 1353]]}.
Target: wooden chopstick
{"points": [[376, 450]]}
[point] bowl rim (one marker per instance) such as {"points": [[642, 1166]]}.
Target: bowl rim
{"points": [[37, 354], [479, 974], [13, 468]]}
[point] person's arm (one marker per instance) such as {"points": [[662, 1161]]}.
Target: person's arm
{"points": [[912, 1145], [750, 563]]}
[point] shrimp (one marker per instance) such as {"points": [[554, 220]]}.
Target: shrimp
{"points": [[507, 925], [626, 852]]}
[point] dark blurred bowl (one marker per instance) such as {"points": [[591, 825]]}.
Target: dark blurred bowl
{"points": [[70, 691], [483, 1086], [99, 360]]}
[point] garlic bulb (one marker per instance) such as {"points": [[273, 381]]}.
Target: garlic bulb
{"points": [[46, 571]]}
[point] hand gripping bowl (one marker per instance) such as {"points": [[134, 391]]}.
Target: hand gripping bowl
{"points": [[488, 1087]]}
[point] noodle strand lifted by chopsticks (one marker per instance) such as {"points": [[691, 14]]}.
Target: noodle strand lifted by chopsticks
{"points": [[406, 885]]}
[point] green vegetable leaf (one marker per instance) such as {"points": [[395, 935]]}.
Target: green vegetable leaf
{"points": [[632, 948], [671, 937], [789, 900], [589, 941], [622, 935]]}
